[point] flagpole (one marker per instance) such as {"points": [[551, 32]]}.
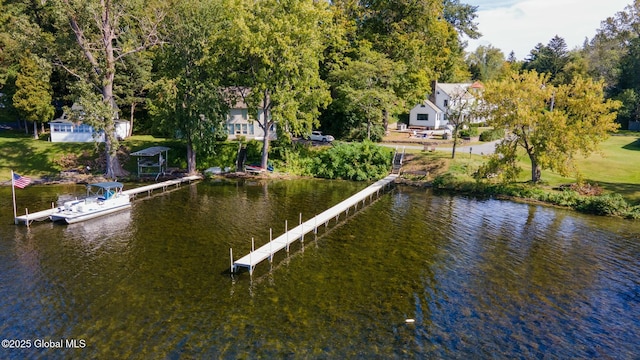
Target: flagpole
{"points": [[13, 193]]}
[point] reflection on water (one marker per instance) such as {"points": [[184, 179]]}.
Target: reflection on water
{"points": [[482, 278]]}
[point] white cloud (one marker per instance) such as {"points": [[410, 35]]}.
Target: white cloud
{"points": [[518, 25]]}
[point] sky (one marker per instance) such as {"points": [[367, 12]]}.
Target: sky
{"points": [[519, 25]]}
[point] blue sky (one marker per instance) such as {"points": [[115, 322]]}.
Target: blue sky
{"points": [[518, 25]]}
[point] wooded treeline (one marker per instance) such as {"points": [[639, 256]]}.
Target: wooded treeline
{"points": [[347, 67]]}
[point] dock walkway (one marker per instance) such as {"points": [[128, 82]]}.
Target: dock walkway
{"points": [[283, 241], [28, 218]]}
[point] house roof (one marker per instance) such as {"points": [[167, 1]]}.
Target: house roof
{"points": [[455, 88], [431, 105]]}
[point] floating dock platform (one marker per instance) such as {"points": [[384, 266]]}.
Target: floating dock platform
{"points": [[283, 241]]}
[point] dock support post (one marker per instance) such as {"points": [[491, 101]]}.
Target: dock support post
{"points": [[251, 253], [233, 268], [315, 225], [286, 231], [301, 230], [26, 216], [270, 239]]}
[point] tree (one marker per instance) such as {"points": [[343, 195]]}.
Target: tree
{"points": [[461, 17], [105, 33], [487, 63], [462, 108], [20, 35], [275, 52], [551, 123], [187, 100], [366, 86], [131, 83], [611, 43], [32, 98], [550, 59]]}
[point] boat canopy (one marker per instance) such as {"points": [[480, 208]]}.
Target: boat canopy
{"points": [[107, 185]]}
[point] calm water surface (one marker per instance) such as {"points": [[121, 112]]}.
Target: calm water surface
{"points": [[481, 278]]}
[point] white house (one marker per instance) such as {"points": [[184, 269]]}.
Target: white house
{"points": [[427, 115], [65, 130], [239, 123], [432, 112]]}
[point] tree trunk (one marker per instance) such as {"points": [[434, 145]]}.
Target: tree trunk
{"points": [[266, 106], [265, 146], [536, 172], [454, 135], [385, 121], [114, 169], [368, 129], [133, 109], [35, 130], [191, 158]]}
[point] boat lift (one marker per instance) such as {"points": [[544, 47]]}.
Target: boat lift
{"points": [[152, 161]]}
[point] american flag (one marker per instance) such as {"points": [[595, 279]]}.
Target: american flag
{"points": [[20, 181]]}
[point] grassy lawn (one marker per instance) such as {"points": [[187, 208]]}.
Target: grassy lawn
{"points": [[39, 158], [615, 168]]}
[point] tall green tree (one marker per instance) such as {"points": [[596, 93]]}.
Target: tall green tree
{"points": [[548, 59], [33, 95], [187, 100], [276, 48], [611, 42], [366, 87], [104, 33], [21, 35], [552, 124], [131, 84], [487, 63]]}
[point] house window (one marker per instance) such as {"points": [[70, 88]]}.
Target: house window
{"points": [[230, 129], [423, 117], [446, 103]]}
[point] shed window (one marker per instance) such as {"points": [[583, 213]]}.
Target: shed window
{"points": [[423, 117]]}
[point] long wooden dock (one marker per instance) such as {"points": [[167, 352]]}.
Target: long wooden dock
{"points": [[28, 218], [283, 241]]}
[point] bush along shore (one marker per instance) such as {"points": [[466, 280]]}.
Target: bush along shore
{"points": [[610, 204]]}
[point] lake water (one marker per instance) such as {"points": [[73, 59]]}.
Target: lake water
{"points": [[481, 278]]}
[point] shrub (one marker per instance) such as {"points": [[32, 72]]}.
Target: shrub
{"points": [[492, 135], [609, 204], [356, 161], [470, 132]]}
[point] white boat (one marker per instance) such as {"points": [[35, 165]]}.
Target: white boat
{"points": [[102, 198]]}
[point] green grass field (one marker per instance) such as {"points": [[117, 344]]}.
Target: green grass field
{"points": [[615, 168], [40, 158]]}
